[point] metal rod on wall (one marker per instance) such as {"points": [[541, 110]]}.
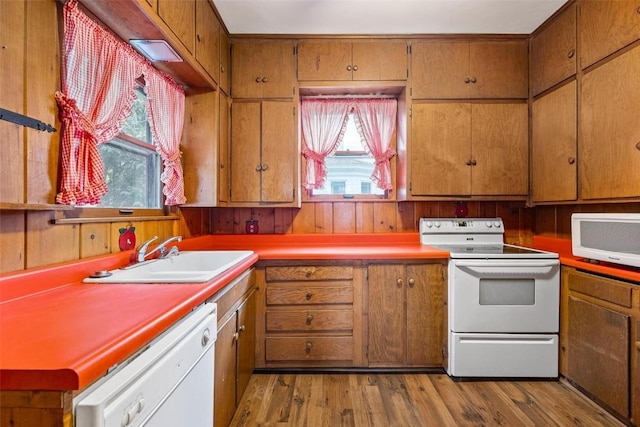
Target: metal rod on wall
{"points": [[23, 120]]}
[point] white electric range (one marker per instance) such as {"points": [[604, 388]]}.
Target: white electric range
{"points": [[503, 300]]}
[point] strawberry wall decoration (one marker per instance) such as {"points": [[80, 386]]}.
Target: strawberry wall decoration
{"points": [[127, 238]]}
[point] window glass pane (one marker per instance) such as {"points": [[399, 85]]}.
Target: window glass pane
{"points": [[351, 166], [132, 166]]}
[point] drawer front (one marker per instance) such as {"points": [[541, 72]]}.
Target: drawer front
{"points": [[303, 273], [602, 288], [310, 320], [309, 295], [307, 348]]}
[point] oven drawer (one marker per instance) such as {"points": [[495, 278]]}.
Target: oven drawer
{"points": [[503, 355]]}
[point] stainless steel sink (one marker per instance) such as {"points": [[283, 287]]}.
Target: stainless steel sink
{"points": [[186, 267]]}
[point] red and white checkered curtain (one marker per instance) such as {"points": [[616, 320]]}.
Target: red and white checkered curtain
{"points": [[98, 82], [166, 114]]}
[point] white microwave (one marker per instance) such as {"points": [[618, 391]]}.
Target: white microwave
{"points": [[606, 237]]}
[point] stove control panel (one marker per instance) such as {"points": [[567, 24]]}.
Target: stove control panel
{"points": [[461, 225]]}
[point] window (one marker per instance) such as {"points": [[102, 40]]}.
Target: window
{"points": [[131, 164], [351, 166]]}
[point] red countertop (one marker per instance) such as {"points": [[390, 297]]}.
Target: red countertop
{"points": [[563, 248], [57, 333]]}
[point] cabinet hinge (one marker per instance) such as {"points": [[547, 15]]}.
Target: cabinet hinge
{"points": [[293, 91], [410, 93], [410, 184], [409, 49], [295, 49], [410, 111], [294, 111], [366, 274], [294, 194], [366, 351]]}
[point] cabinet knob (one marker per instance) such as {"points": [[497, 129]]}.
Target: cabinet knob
{"points": [[308, 296], [399, 283], [468, 162], [638, 10], [242, 328], [571, 160], [236, 336], [308, 273], [258, 79], [355, 68], [473, 163], [198, 37], [412, 282], [308, 347], [473, 80], [265, 167], [348, 67], [309, 318], [467, 80], [258, 168], [221, 69], [638, 146], [571, 53], [264, 80]]}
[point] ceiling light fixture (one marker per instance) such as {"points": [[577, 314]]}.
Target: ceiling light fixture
{"points": [[156, 50]]}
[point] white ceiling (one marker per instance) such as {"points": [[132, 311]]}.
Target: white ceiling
{"points": [[385, 17]]}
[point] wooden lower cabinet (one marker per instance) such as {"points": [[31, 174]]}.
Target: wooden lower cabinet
{"points": [[635, 411], [312, 316], [235, 346], [405, 315], [597, 349]]}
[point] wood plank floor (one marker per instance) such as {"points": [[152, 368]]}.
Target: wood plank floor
{"points": [[407, 400]]}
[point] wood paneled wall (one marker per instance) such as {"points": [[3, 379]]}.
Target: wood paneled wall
{"points": [[367, 217]]}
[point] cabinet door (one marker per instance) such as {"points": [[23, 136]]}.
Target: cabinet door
{"points": [[246, 71], [379, 61], [500, 149], [279, 152], [424, 315], [324, 61], [607, 26], [207, 39], [180, 16], [387, 327], [635, 412], [246, 343], [278, 65], [599, 353], [440, 70], [553, 52], [225, 61], [245, 151], [224, 141], [498, 69], [225, 373], [553, 146], [609, 148], [440, 149]]}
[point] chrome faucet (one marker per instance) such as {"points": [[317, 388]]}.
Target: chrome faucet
{"points": [[142, 253]]}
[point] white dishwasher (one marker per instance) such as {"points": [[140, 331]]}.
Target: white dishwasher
{"points": [[168, 384]]}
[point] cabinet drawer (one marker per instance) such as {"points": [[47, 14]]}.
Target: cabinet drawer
{"points": [[310, 320], [310, 295], [602, 288], [276, 274], [307, 348]]}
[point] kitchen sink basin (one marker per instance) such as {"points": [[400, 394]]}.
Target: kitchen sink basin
{"points": [[185, 267]]}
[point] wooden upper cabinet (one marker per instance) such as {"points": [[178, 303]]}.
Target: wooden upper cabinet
{"points": [[607, 26], [208, 39], [377, 60], [469, 149], [180, 16], [225, 62], [264, 154], [553, 52], [609, 135], [262, 70], [458, 70], [553, 146]]}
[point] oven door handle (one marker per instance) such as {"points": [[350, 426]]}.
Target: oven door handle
{"points": [[509, 264]]}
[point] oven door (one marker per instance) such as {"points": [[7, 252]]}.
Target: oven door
{"points": [[504, 295]]}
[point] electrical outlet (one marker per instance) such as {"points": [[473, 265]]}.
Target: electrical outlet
{"points": [[251, 226]]}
